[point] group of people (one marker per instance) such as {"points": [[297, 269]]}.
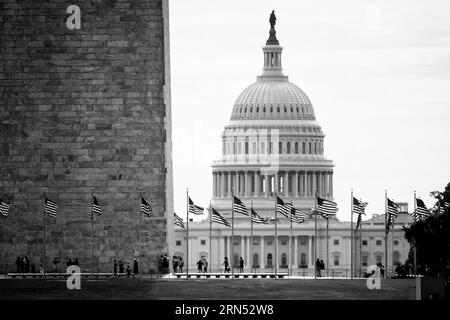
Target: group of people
{"points": [[202, 265], [23, 265], [227, 268], [319, 267], [128, 270], [177, 264]]}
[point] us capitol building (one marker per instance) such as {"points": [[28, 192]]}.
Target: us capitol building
{"points": [[274, 142]]}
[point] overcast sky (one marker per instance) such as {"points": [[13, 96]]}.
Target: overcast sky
{"points": [[376, 72]]}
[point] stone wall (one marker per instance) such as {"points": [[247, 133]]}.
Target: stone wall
{"points": [[80, 109]]}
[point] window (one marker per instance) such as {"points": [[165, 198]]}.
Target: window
{"points": [[315, 147], [365, 260], [278, 109], [336, 259], [202, 242], [378, 258], [396, 243], [257, 110], [255, 260], [285, 110], [303, 241], [296, 147], [178, 242], [310, 147], [283, 242], [288, 147], [269, 242], [396, 258], [364, 242], [284, 259], [255, 241], [251, 110], [236, 242], [303, 259], [269, 259], [280, 147], [303, 147], [271, 109], [246, 147], [264, 110], [378, 242], [336, 242]]}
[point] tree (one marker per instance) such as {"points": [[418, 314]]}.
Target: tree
{"points": [[431, 237]]}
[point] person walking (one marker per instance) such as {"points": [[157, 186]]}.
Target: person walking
{"points": [[128, 271], [199, 265], [75, 263], [166, 264], [181, 264], [175, 263], [69, 262], [120, 266], [318, 268], [41, 271], [135, 268], [205, 265], [18, 264], [55, 264], [241, 265], [226, 265], [322, 267], [115, 268]]}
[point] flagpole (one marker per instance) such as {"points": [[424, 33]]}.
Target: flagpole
{"points": [[251, 238], [360, 245], [385, 233], [392, 246], [92, 231], [43, 238], [328, 248], [231, 261], [415, 244], [210, 236], [276, 234], [187, 232], [140, 229], [290, 242], [351, 237], [315, 234]]}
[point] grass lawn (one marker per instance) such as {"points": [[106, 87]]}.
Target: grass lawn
{"points": [[251, 289]]}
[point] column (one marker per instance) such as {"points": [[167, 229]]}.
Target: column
{"points": [[221, 251], [295, 186], [222, 184], [295, 252], [327, 177], [310, 262], [242, 247], [266, 181], [247, 184], [214, 184], [249, 259], [230, 259], [314, 182], [286, 184], [305, 184], [229, 183], [331, 184], [257, 183], [276, 182], [261, 258]]}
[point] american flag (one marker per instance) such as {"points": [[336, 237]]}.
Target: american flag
{"points": [[50, 207], [239, 207], [421, 211], [96, 207], [283, 208], [4, 208], [178, 221], [195, 209], [359, 208], [443, 205], [217, 218], [392, 213], [256, 218], [145, 207], [326, 207]]}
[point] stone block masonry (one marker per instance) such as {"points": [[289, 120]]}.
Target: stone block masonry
{"points": [[80, 109]]}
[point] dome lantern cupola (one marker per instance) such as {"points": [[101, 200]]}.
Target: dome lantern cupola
{"points": [[272, 52]]}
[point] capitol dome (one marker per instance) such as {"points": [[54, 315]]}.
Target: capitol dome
{"points": [[273, 98]]}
